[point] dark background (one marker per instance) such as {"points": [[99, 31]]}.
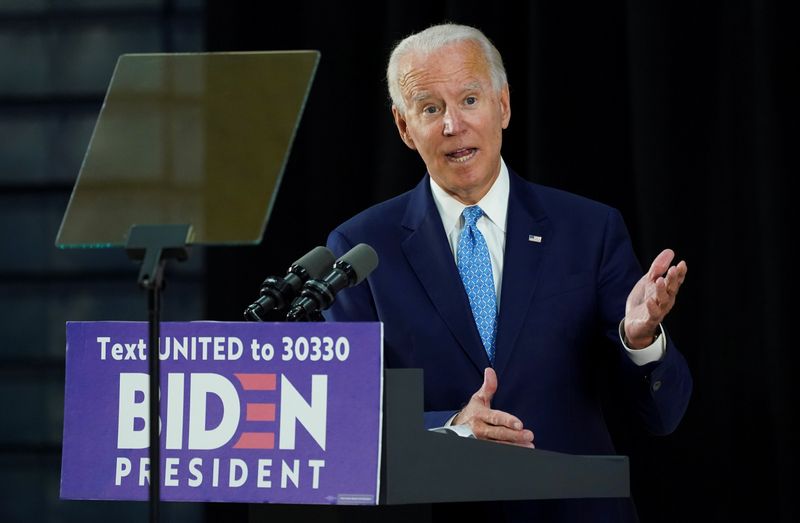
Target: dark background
{"points": [[680, 114]]}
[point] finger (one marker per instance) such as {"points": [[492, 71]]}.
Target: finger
{"points": [[662, 293], [498, 418], [503, 434], [660, 303], [489, 387], [660, 264], [520, 437], [675, 277], [673, 281], [527, 439], [524, 444]]}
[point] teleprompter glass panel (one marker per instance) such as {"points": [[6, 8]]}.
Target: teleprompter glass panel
{"points": [[199, 139]]}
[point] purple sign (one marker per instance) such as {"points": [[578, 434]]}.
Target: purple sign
{"points": [[250, 412]]}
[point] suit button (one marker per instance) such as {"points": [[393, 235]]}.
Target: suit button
{"points": [[656, 386]]}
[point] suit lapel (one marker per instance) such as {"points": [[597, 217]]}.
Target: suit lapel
{"points": [[521, 264], [428, 253]]}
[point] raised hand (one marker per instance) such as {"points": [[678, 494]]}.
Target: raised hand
{"points": [[651, 299]]}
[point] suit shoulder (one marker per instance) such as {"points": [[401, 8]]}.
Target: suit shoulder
{"points": [[561, 202], [375, 218]]}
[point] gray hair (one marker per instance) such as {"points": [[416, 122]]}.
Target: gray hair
{"points": [[434, 38]]}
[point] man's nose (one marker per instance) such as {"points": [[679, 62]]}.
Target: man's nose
{"points": [[452, 122]]}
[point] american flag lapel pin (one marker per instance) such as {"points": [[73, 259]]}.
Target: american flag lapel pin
{"points": [[534, 238]]}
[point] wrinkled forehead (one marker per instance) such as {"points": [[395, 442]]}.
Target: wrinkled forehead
{"points": [[456, 65]]}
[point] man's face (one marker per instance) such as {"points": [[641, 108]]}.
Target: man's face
{"points": [[454, 118]]}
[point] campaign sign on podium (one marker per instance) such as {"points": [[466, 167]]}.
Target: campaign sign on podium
{"points": [[250, 412]]}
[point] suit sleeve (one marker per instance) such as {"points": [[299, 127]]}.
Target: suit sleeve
{"points": [[660, 391]]}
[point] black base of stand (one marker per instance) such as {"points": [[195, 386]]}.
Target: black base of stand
{"points": [[154, 245]]}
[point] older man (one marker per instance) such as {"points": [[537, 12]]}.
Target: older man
{"points": [[508, 293]]}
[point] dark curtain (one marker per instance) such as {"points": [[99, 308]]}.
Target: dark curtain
{"points": [[683, 115]]}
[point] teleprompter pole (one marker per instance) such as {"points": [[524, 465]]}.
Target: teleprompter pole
{"points": [[154, 245]]}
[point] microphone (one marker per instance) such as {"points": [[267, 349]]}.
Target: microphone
{"points": [[317, 295], [277, 293]]}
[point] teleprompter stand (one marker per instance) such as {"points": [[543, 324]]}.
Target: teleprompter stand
{"points": [[154, 245], [197, 138], [422, 467]]}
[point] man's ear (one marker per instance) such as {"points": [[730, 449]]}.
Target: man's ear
{"points": [[505, 105], [402, 128]]}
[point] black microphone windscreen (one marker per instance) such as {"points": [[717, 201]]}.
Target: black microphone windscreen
{"points": [[316, 262], [363, 259]]}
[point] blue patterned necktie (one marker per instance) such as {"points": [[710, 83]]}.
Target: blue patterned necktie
{"points": [[475, 268]]}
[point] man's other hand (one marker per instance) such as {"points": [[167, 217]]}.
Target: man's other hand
{"points": [[489, 424]]}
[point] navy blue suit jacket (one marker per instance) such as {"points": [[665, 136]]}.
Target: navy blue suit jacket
{"points": [[561, 303]]}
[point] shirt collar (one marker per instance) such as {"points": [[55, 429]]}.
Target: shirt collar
{"points": [[494, 203]]}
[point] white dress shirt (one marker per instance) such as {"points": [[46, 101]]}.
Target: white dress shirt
{"points": [[493, 227]]}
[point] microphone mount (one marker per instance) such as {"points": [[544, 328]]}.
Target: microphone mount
{"points": [[319, 294], [276, 293]]}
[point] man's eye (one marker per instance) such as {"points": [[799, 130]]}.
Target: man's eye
{"points": [[470, 100], [430, 109]]}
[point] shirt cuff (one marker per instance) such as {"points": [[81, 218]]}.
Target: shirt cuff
{"points": [[653, 352], [449, 423]]}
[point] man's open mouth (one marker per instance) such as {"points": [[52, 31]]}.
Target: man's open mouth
{"points": [[462, 155]]}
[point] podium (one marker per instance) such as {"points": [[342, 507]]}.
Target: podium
{"points": [[420, 467], [232, 403], [426, 467]]}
